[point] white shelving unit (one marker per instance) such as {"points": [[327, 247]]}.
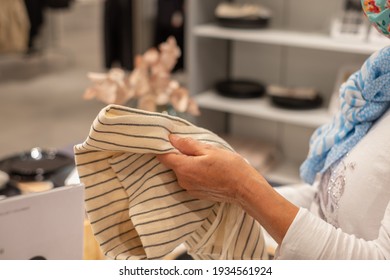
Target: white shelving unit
{"points": [[262, 108], [292, 56], [285, 38]]}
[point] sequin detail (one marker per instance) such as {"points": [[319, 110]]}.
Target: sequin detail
{"points": [[332, 189]]}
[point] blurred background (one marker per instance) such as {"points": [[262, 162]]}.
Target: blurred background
{"points": [[42, 86], [41, 91], [289, 49], [272, 55]]}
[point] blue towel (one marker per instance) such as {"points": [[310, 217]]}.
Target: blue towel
{"points": [[364, 98]]}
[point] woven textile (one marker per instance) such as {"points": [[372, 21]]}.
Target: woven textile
{"points": [[136, 208]]}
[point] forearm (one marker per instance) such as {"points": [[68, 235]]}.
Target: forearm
{"points": [[267, 206]]}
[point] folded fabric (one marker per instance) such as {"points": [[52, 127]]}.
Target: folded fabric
{"points": [[364, 97], [135, 206]]}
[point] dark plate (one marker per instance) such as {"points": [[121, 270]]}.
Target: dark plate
{"points": [[240, 88], [37, 165], [296, 103], [243, 22]]}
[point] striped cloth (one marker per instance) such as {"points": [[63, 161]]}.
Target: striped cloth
{"points": [[136, 208], [365, 96]]}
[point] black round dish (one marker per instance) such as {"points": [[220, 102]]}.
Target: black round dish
{"points": [[296, 103], [243, 22], [240, 88], [36, 165]]}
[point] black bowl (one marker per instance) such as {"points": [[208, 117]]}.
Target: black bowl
{"points": [[240, 88], [243, 23], [37, 165], [296, 103]]}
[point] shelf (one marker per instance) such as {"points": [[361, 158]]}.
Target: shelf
{"points": [[262, 108], [286, 38]]}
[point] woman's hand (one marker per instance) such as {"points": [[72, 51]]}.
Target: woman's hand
{"points": [[207, 172], [214, 174]]}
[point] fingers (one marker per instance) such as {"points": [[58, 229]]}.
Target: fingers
{"points": [[187, 146], [170, 160]]}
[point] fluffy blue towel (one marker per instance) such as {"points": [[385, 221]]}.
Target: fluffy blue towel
{"points": [[365, 96]]}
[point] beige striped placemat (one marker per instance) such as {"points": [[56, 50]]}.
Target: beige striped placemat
{"points": [[135, 206]]}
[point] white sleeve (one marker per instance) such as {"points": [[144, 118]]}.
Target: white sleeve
{"points": [[300, 195], [309, 237]]}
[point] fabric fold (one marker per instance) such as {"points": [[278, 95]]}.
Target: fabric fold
{"points": [[136, 208]]}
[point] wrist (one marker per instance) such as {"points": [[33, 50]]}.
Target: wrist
{"points": [[251, 190], [259, 199]]}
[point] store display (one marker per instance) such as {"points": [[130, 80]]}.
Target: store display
{"points": [[37, 169], [294, 98], [242, 15], [351, 24], [240, 88]]}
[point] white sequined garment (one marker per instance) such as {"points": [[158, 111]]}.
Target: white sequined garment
{"points": [[346, 214]]}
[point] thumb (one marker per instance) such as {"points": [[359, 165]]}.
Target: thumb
{"points": [[187, 146]]}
